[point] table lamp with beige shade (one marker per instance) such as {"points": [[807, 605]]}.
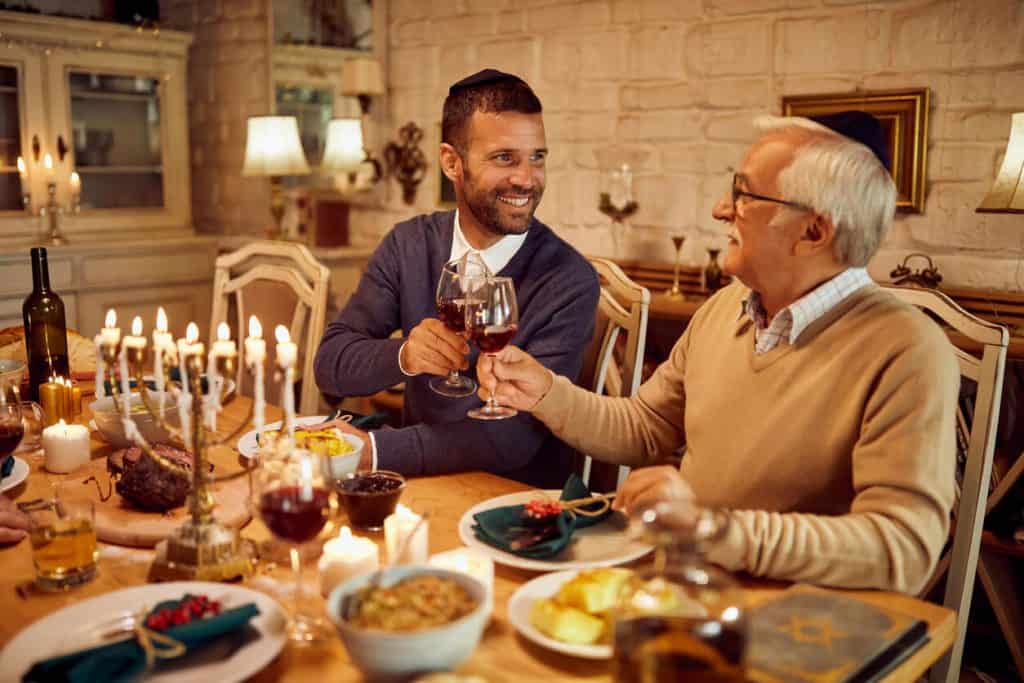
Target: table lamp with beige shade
{"points": [[273, 149], [1007, 193], [361, 78]]}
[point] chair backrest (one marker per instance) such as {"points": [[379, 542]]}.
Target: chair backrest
{"points": [[961, 560], [622, 309], [292, 290]]}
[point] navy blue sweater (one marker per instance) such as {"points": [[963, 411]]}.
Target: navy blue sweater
{"points": [[557, 292]]}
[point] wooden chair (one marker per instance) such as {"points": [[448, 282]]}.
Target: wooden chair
{"points": [[960, 561], [621, 309], [281, 283]]}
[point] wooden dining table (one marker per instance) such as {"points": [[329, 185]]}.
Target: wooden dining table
{"points": [[502, 654]]}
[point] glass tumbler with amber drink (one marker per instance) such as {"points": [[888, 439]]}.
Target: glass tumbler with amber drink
{"points": [[63, 538], [685, 619]]}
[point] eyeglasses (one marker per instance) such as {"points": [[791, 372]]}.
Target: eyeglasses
{"points": [[737, 193]]}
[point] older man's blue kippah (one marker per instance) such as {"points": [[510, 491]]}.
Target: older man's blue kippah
{"points": [[481, 77], [860, 126]]}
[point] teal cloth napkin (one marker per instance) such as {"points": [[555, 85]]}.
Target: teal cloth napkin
{"points": [[125, 660], [501, 526], [7, 467]]}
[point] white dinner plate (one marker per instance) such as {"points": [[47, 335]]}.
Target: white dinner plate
{"points": [[249, 447], [18, 474], [602, 545], [547, 586], [70, 628]]}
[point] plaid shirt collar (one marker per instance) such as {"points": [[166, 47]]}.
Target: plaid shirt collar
{"points": [[789, 323]]}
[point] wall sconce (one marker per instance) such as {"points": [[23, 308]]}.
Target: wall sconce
{"points": [[272, 149], [361, 78], [1007, 193], [405, 160]]}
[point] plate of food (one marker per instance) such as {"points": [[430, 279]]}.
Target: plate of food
{"points": [[605, 544], [233, 657], [570, 611], [19, 472], [331, 441]]}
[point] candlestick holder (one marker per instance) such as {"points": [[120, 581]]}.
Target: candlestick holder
{"points": [[675, 291], [51, 212], [201, 548]]}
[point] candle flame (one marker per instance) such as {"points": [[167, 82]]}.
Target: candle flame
{"points": [[76, 180], [22, 169], [111, 318], [48, 162], [192, 333], [223, 332], [255, 329], [137, 326], [62, 423], [281, 333], [345, 534], [161, 320]]}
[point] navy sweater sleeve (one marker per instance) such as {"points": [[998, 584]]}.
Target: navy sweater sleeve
{"points": [[503, 446], [356, 356]]}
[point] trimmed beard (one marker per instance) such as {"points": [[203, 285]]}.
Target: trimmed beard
{"points": [[485, 209]]}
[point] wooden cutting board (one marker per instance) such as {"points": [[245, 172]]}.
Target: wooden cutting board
{"points": [[119, 523]]}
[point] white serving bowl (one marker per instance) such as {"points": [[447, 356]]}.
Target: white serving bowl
{"points": [[108, 420], [340, 466], [383, 654]]}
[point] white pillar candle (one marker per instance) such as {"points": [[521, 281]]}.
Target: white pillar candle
{"points": [[255, 354], [471, 562], [189, 346], [345, 557], [126, 392], [163, 343], [287, 352], [399, 526], [65, 447], [99, 390]]}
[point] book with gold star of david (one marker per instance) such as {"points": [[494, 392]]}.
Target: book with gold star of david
{"points": [[810, 635]]}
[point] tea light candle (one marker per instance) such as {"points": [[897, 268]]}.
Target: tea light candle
{"points": [[468, 561], [65, 447], [255, 354], [345, 557], [287, 352], [398, 527]]}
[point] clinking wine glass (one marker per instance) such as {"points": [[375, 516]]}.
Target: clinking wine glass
{"points": [[492, 318], [294, 500], [451, 304], [11, 426]]}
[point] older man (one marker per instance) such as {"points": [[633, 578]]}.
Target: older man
{"points": [[817, 409]]}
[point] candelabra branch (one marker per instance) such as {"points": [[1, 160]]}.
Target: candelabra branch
{"points": [[176, 434]]}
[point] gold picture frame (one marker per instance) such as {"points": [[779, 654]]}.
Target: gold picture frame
{"points": [[904, 118]]}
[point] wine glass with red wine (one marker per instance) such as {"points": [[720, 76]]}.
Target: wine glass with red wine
{"points": [[293, 499], [492, 318], [451, 304], [11, 427]]}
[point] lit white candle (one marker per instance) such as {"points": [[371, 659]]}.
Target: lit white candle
{"points": [[399, 526], [345, 557], [99, 390], [75, 182], [126, 391], [65, 447], [135, 340], [163, 343], [22, 172], [255, 354], [189, 346], [468, 561], [224, 347], [48, 166], [111, 333], [287, 352]]}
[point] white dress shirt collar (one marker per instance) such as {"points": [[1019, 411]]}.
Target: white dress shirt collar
{"points": [[495, 256]]}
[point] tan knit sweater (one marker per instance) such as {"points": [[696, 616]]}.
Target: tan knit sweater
{"points": [[835, 456]]}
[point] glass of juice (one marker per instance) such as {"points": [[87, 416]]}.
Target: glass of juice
{"points": [[63, 537]]}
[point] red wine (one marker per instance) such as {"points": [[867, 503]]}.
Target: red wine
{"points": [[10, 437], [295, 513], [452, 313], [46, 337], [493, 338]]}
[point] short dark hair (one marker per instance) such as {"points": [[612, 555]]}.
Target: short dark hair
{"points": [[494, 97]]}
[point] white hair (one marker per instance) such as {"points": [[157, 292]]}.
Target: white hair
{"points": [[839, 178]]}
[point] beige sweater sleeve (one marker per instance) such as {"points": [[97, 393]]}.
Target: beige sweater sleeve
{"points": [[902, 473], [641, 430]]}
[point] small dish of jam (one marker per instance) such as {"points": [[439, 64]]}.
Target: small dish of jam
{"points": [[369, 497]]}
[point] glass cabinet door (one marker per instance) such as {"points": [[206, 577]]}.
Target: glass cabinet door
{"points": [[116, 137]]}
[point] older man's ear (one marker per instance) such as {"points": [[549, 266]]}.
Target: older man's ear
{"points": [[818, 236]]}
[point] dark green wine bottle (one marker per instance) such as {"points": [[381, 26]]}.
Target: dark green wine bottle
{"points": [[46, 334]]}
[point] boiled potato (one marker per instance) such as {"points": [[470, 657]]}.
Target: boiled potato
{"points": [[566, 624], [594, 591]]}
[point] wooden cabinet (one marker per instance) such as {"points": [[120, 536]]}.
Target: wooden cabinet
{"points": [[104, 100]]}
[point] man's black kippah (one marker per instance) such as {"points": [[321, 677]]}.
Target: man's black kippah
{"points": [[860, 126], [481, 77]]}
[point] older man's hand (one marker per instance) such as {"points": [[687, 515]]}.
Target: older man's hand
{"points": [[13, 522], [649, 486], [515, 378], [434, 349]]}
